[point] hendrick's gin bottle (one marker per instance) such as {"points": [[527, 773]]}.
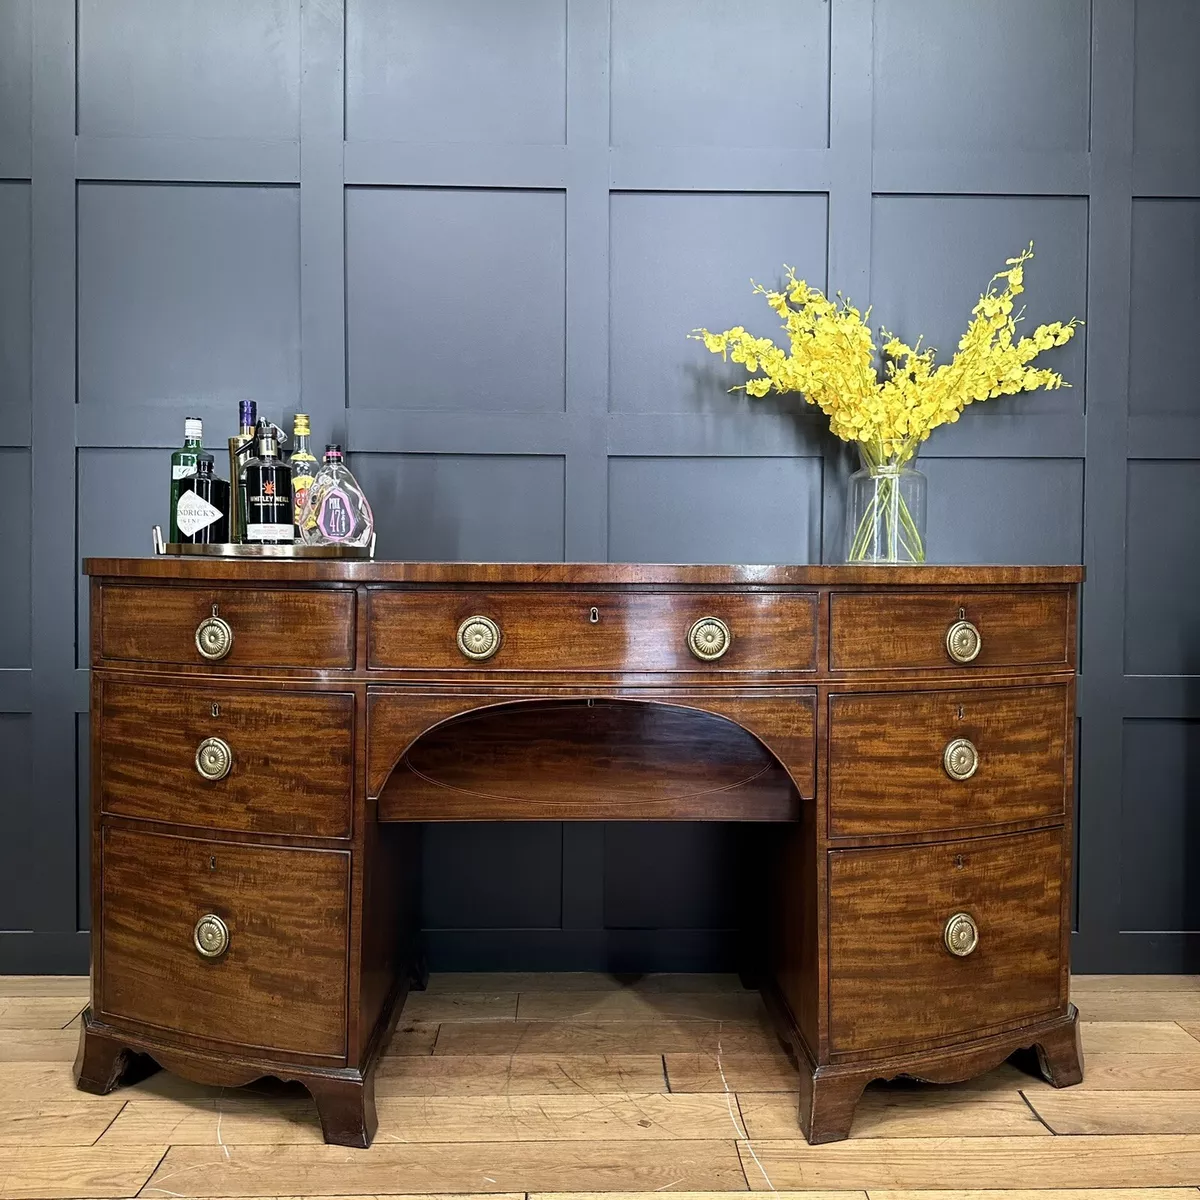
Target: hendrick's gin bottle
{"points": [[269, 518]]}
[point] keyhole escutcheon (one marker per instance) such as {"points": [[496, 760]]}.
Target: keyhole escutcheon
{"points": [[594, 615]]}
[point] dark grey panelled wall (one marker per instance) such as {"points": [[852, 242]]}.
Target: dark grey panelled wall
{"points": [[469, 236]]}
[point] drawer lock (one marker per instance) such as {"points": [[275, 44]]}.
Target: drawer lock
{"points": [[214, 638], [211, 936], [479, 638], [961, 935], [214, 759], [960, 758], [709, 638]]}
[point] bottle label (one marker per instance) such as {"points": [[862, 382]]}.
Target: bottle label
{"points": [[335, 520], [300, 488], [194, 513], [269, 533], [183, 470]]}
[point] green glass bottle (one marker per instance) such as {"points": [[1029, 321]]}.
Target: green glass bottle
{"points": [[183, 466]]}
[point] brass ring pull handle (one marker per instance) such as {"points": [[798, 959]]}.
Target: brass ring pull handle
{"points": [[963, 642], [961, 935], [709, 638], [211, 936], [960, 759], [479, 638], [214, 759], [214, 638]]}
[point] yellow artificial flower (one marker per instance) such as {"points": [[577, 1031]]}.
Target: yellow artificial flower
{"points": [[830, 361]]}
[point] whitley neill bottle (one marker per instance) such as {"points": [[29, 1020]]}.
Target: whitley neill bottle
{"points": [[269, 517]]}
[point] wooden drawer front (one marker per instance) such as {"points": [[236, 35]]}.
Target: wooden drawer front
{"points": [[548, 631], [891, 979], [882, 631], [291, 757], [281, 984], [887, 771], [271, 627]]}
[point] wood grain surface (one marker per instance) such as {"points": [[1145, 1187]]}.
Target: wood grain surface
{"points": [[770, 632], [575, 574], [893, 981], [293, 757], [262, 992], [882, 631], [886, 773], [282, 628], [595, 1127]]}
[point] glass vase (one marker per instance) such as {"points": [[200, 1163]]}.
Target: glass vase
{"points": [[885, 513]]}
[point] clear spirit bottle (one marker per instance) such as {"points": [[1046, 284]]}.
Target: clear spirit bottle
{"points": [[304, 466], [336, 512]]}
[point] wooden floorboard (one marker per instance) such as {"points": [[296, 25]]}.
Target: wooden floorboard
{"points": [[459, 1167], [520, 1074], [978, 1163], [582, 1087]]}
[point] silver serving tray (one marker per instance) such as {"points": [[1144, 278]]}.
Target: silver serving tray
{"points": [[236, 550]]}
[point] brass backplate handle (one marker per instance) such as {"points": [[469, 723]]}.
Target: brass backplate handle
{"points": [[960, 758], [961, 935], [963, 642], [478, 638], [709, 638], [214, 638], [214, 759], [211, 936]]}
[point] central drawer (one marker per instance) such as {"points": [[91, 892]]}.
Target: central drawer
{"points": [[921, 762], [258, 760], [279, 982], [892, 978], [593, 631]]}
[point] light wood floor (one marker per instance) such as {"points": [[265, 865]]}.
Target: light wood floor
{"points": [[535, 1085]]}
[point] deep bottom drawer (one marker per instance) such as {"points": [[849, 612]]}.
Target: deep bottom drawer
{"points": [[280, 983], [892, 978]]}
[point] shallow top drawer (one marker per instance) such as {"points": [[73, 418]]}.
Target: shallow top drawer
{"points": [[967, 629], [593, 631], [228, 627]]}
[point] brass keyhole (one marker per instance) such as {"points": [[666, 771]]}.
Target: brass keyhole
{"points": [[215, 613], [594, 615], [959, 862], [216, 709], [212, 863]]}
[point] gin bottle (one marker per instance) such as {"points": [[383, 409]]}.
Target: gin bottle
{"points": [[269, 518], [203, 509], [183, 465], [336, 512]]}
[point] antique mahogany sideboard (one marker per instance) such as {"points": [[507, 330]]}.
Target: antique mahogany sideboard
{"points": [[269, 737]]}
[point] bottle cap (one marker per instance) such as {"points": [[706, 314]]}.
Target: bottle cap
{"points": [[247, 413], [204, 465], [333, 452], [268, 447], [300, 428], [193, 429]]}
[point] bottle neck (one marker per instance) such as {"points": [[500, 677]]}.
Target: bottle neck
{"points": [[193, 444], [300, 443]]}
